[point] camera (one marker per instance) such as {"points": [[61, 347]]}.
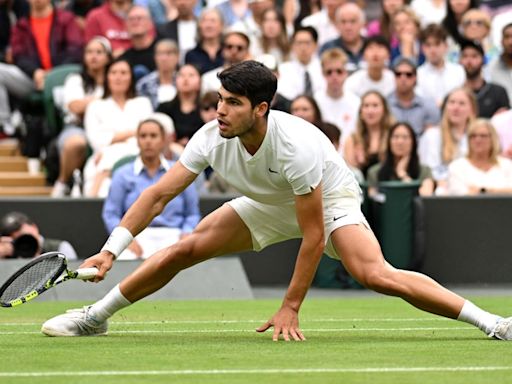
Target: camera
{"points": [[25, 246]]}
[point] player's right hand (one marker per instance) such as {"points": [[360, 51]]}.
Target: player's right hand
{"points": [[103, 261]]}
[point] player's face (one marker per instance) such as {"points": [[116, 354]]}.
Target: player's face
{"points": [[150, 140], [235, 114]]}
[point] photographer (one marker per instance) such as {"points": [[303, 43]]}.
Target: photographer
{"points": [[20, 238]]}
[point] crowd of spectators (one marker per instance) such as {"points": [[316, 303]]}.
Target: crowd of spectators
{"points": [[414, 75]]}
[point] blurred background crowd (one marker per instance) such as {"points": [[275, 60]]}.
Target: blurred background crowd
{"points": [[102, 93]]}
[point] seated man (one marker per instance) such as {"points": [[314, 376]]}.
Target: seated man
{"points": [[20, 237], [180, 216]]}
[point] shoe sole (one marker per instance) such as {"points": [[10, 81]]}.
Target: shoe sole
{"points": [[53, 333]]}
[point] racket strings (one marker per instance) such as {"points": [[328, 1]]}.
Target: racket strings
{"points": [[34, 278]]}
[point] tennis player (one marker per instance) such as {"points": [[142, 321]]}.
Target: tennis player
{"points": [[295, 185]]}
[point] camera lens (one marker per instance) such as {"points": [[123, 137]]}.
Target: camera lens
{"points": [[25, 246]]}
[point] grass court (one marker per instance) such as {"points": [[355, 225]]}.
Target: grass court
{"points": [[349, 340]]}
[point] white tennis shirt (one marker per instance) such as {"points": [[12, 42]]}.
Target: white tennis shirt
{"points": [[293, 159]]}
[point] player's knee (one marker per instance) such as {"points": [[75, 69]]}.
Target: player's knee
{"points": [[378, 280], [177, 256]]}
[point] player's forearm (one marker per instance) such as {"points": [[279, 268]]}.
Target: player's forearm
{"points": [[305, 268]]}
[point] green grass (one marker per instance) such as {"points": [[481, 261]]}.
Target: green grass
{"points": [[356, 340]]}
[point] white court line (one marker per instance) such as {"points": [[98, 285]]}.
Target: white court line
{"points": [[318, 330], [329, 320], [255, 371]]}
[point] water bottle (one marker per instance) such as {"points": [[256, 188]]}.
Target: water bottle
{"points": [[76, 190]]}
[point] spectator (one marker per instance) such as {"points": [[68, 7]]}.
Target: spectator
{"points": [[367, 145], [401, 162], [437, 76], [46, 39], [476, 26], [503, 123], [337, 107], [376, 76], [182, 29], [79, 91], [383, 26], [251, 25], [184, 108], [10, 12], [407, 106], [302, 74], [296, 10], [207, 54], [454, 11], [110, 125], [406, 25], [177, 220], [141, 54], [483, 170], [429, 11], [161, 10], [159, 85], [20, 237], [235, 49], [306, 108], [439, 146], [109, 21], [279, 102], [274, 37], [501, 68], [233, 11], [80, 8], [491, 98], [324, 21], [350, 21]]}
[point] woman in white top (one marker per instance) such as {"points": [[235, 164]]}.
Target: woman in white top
{"points": [[80, 89], [439, 146], [110, 125], [482, 170]]}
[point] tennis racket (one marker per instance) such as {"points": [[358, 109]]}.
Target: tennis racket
{"points": [[38, 276]]}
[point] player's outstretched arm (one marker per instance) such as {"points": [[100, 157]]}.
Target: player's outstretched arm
{"points": [[149, 205], [310, 219]]}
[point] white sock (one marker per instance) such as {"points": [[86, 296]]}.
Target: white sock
{"points": [[484, 320], [110, 304]]}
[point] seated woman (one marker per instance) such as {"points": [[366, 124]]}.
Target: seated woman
{"points": [[483, 170], [180, 216], [110, 125], [366, 146], [306, 108], [406, 25], [441, 145], [80, 89], [184, 108], [401, 162]]}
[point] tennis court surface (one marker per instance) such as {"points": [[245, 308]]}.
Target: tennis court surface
{"points": [[372, 339]]}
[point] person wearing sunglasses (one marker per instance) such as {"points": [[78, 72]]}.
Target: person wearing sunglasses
{"points": [[482, 170], [405, 104], [337, 107]]}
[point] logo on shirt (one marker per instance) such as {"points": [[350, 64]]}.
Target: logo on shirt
{"points": [[336, 218]]}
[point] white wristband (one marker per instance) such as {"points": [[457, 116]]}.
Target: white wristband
{"points": [[118, 240]]}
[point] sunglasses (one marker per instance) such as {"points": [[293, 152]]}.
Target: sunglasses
{"points": [[338, 71], [239, 48], [409, 75]]}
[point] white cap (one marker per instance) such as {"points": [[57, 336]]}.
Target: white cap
{"points": [[164, 120]]}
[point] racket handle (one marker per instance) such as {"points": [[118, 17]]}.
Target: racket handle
{"points": [[86, 273]]}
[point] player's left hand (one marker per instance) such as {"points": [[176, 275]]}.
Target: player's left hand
{"points": [[286, 323]]}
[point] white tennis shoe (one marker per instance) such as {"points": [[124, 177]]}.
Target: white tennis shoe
{"points": [[503, 329], [75, 322]]}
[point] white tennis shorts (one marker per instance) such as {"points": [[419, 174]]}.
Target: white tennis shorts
{"points": [[271, 224]]}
